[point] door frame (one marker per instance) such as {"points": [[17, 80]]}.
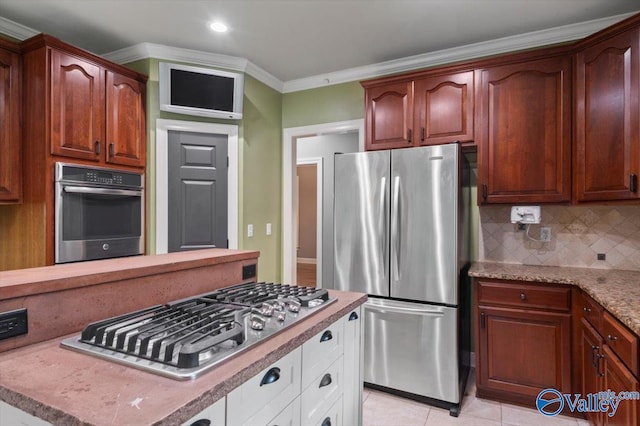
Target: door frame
{"points": [[318, 161], [163, 127], [289, 201]]}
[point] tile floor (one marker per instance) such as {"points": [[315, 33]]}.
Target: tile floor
{"points": [[382, 409]]}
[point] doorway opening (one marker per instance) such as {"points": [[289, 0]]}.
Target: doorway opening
{"points": [[309, 221], [163, 130], [295, 139]]}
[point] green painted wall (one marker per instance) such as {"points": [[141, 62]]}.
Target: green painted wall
{"points": [[328, 104], [260, 166]]}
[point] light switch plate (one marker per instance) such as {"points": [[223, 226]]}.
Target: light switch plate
{"points": [[268, 229], [250, 230]]}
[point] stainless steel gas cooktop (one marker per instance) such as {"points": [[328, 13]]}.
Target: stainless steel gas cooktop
{"points": [[187, 337]]}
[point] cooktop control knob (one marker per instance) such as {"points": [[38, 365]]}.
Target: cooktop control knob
{"points": [[257, 322], [293, 305], [281, 315]]}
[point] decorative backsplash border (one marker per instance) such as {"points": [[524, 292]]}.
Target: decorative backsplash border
{"points": [[578, 235]]}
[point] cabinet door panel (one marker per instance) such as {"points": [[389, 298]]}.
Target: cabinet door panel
{"points": [[125, 125], [617, 378], [524, 148], [389, 116], [10, 134], [591, 366], [607, 115], [523, 352], [444, 109], [77, 107]]}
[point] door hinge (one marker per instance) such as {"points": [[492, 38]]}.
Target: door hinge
{"points": [[484, 191], [633, 182], [227, 243]]}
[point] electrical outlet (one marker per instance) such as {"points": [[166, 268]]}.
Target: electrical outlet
{"points": [[13, 323], [545, 234], [250, 230]]}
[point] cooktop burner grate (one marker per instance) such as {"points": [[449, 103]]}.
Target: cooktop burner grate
{"points": [[176, 334], [256, 293]]}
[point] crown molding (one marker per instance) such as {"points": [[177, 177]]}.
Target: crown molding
{"points": [[195, 57], [530, 40], [15, 30], [524, 41]]}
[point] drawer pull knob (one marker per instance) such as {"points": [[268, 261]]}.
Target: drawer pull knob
{"points": [[327, 335], [353, 316], [272, 376], [523, 296], [326, 380], [587, 310], [612, 337], [326, 422]]}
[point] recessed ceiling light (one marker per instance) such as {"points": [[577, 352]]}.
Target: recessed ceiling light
{"points": [[218, 27]]}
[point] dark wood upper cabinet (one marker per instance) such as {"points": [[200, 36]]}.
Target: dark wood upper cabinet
{"points": [[524, 131], [389, 116], [125, 121], [77, 107], [10, 132], [444, 109], [607, 148], [96, 109]]}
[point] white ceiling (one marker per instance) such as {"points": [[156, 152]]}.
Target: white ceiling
{"points": [[294, 39]]}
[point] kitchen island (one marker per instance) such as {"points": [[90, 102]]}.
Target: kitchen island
{"points": [[64, 387]]}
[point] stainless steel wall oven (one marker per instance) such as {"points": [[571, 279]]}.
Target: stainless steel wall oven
{"points": [[99, 213]]}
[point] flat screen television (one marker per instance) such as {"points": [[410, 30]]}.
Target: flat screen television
{"points": [[201, 91]]}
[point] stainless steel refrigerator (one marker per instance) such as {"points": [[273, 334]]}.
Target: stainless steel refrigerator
{"points": [[401, 228]]}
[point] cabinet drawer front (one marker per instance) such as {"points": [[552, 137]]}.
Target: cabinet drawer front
{"points": [[524, 295], [267, 393], [321, 351], [622, 341], [322, 392], [332, 417], [591, 311]]}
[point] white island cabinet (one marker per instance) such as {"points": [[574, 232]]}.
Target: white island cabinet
{"points": [[318, 383]]}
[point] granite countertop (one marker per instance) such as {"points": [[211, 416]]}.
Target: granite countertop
{"points": [[617, 291], [65, 387]]}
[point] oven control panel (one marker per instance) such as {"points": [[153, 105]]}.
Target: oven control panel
{"points": [[98, 176]]}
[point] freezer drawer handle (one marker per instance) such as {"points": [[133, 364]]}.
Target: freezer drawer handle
{"points": [[326, 380], [272, 376], [327, 335], [391, 309], [326, 422], [353, 316]]}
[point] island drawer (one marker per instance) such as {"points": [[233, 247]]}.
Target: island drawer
{"points": [[267, 393], [621, 340], [319, 352], [322, 392], [524, 295]]}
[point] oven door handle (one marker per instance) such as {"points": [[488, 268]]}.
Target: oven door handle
{"points": [[101, 191]]}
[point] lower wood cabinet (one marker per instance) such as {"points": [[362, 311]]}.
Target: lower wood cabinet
{"points": [[607, 357], [533, 336], [523, 340]]}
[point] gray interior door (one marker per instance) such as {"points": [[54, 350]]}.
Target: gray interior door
{"points": [[197, 211]]}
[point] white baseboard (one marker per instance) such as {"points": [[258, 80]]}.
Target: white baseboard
{"points": [[306, 260]]}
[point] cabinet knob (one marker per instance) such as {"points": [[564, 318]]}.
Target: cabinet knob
{"points": [[612, 337], [587, 310], [523, 296]]}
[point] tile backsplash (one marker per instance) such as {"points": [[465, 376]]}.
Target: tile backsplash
{"points": [[578, 235]]}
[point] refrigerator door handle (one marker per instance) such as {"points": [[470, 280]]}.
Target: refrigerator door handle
{"points": [[395, 229], [403, 310], [382, 222]]}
